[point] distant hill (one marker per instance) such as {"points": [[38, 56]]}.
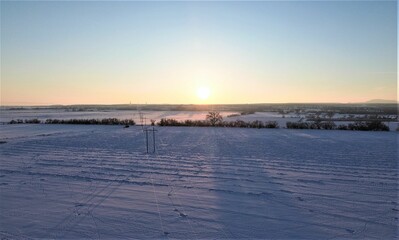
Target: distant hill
{"points": [[381, 101]]}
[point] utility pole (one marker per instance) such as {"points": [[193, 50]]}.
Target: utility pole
{"points": [[146, 138], [153, 137], [153, 130]]}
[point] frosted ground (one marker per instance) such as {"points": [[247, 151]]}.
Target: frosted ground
{"points": [[96, 182]]}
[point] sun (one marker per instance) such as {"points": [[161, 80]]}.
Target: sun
{"points": [[203, 93]]}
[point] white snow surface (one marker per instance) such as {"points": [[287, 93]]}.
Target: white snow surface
{"points": [[97, 182]]}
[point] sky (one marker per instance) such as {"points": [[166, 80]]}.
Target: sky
{"points": [[100, 52]]}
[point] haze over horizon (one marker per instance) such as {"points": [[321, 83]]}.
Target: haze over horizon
{"points": [[197, 52]]}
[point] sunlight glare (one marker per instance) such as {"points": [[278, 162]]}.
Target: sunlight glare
{"points": [[203, 93]]}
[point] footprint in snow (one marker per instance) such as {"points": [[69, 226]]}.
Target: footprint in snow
{"points": [[180, 213], [286, 191], [350, 230], [183, 215], [300, 199]]}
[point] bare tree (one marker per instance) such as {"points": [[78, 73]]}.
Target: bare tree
{"points": [[214, 118]]}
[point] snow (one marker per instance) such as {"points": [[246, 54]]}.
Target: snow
{"points": [[97, 182]]}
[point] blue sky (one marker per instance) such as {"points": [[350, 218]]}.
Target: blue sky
{"points": [[162, 52]]}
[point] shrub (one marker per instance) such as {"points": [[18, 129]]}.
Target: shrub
{"points": [[312, 125], [377, 125], [239, 123], [271, 124], [105, 121], [35, 121], [328, 125], [374, 125], [18, 121], [256, 124], [168, 122], [342, 127], [298, 125]]}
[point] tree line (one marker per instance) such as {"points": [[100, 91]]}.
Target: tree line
{"points": [[206, 123], [374, 125], [105, 121], [215, 119]]}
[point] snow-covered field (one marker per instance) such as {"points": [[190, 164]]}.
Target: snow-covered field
{"points": [[43, 114], [96, 182]]}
